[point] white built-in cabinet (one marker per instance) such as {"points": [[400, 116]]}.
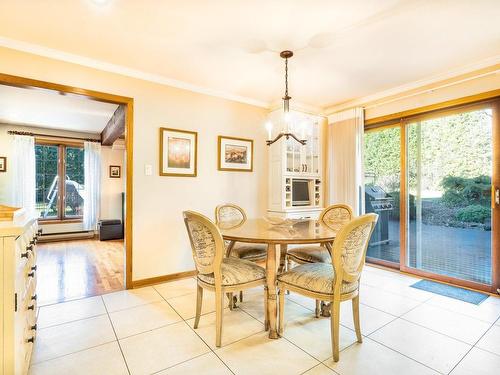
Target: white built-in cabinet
{"points": [[18, 305], [289, 161]]}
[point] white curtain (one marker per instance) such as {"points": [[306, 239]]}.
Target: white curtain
{"points": [[345, 159], [92, 183], [23, 166]]}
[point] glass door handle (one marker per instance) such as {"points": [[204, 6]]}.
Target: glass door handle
{"points": [[495, 196]]}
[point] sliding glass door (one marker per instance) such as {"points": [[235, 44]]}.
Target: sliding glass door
{"points": [[442, 197], [382, 160], [449, 170]]}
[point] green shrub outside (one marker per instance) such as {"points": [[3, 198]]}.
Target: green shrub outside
{"points": [[474, 214]]}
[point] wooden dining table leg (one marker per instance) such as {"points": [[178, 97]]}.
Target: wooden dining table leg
{"points": [[273, 258]]}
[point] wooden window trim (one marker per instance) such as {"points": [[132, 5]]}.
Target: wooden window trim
{"points": [[61, 172], [456, 104]]}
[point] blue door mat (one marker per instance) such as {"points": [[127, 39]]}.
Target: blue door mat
{"points": [[451, 291]]}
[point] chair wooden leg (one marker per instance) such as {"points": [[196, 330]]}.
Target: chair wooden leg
{"points": [[335, 327], [241, 296], [281, 323], [266, 316], [219, 311], [231, 302], [199, 301], [317, 311], [355, 313]]}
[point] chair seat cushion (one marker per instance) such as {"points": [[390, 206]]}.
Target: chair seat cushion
{"points": [[310, 254], [236, 271], [249, 251], [315, 277]]}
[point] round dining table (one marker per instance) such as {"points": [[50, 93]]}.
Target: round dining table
{"points": [[291, 232]]}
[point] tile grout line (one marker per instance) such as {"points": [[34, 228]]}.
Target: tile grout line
{"points": [[319, 364], [193, 330], [116, 336], [458, 312], [67, 354], [407, 356], [394, 350], [72, 321], [474, 346], [180, 363], [440, 333], [395, 318]]}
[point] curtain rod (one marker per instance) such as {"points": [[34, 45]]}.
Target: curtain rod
{"points": [[15, 132]]}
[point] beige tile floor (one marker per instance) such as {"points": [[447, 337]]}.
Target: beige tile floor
{"points": [[149, 331]]}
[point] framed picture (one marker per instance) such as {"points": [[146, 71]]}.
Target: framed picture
{"points": [[235, 154], [178, 152], [115, 171], [3, 164]]}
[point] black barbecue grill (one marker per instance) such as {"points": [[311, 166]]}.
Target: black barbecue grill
{"points": [[379, 202]]}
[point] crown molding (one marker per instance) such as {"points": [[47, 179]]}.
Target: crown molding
{"points": [[123, 70], [451, 77]]}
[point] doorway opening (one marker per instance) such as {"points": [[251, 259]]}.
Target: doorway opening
{"points": [[78, 256]]}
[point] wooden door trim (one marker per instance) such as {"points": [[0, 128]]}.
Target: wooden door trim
{"points": [[495, 215], [17, 81]]}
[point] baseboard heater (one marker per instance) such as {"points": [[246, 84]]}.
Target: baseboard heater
{"points": [[66, 236]]}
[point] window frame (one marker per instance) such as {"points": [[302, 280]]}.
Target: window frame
{"points": [[61, 172]]}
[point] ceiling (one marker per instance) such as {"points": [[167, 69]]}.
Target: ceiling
{"points": [[49, 109], [344, 49]]}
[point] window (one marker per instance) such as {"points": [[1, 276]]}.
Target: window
{"points": [[59, 181]]}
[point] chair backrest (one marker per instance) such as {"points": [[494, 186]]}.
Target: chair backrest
{"points": [[206, 243], [229, 214], [336, 215], [349, 248]]}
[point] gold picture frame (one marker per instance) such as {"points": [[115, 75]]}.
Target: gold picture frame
{"points": [[3, 164], [178, 152], [234, 154]]}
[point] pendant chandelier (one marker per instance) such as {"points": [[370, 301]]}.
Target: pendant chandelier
{"points": [[285, 131]]}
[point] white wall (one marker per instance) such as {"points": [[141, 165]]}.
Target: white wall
{"points": [[160, 244], [112, 188], [455, 91]]}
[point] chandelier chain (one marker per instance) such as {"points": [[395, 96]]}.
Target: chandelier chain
{"points": [[286, 78]]}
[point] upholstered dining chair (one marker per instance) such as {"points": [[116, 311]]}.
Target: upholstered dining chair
{"points": [[336, 281], [230, 214], [334, 216], [216, 272]]}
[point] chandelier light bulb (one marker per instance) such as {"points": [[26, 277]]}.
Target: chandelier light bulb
{"points": [[269, 128]]}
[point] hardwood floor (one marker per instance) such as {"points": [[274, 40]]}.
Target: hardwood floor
{"points": [[70, 270]]}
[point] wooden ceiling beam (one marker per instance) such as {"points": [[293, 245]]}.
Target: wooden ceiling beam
{"points": [[115, 128]]}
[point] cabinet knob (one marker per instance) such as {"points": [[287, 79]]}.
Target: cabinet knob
{"points": [[33, 268], [33, 241], [31, 307], [33, 298], [33, 328], [24, 255], [31, 339], [29, 248], [31, 274]]}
